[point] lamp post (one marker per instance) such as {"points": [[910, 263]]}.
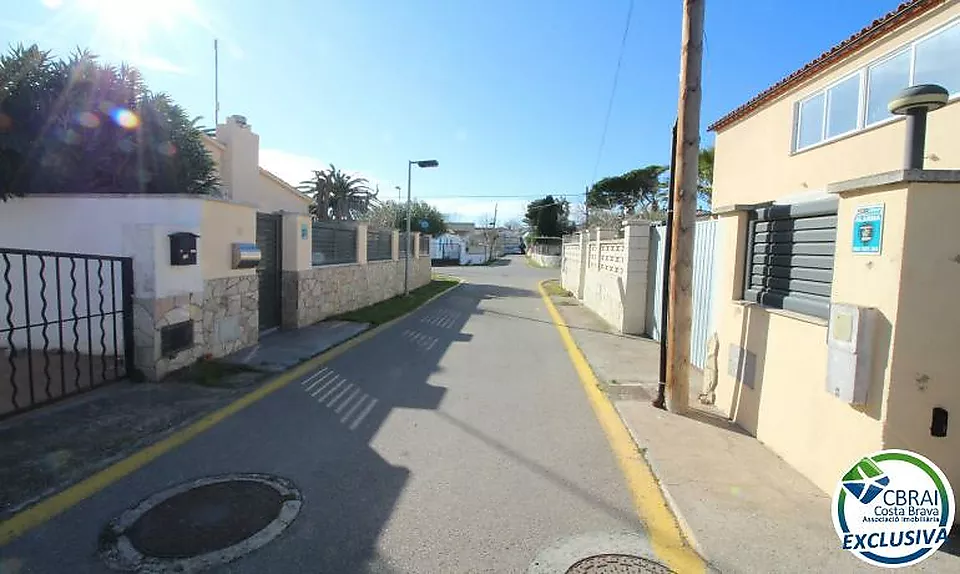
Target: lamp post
{"points": [[406, 256], [914, 102]]}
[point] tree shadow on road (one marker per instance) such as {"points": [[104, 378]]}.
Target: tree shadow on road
{"points": [[351, 491]]}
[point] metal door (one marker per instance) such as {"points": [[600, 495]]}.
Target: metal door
{"points": [[268, 273]]}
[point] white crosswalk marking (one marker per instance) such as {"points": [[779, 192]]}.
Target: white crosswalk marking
{"points": [[331, 390], [340, 394], [320, 380], [325, 385], [363, 414], [312, 377], [356, 391], [349, 413]]}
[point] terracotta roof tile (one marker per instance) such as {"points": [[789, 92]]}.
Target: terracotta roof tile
{"points": [[903, 14]]}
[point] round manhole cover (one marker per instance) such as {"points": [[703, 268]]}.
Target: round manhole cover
{"points": [[201, 523], [618, 564]]}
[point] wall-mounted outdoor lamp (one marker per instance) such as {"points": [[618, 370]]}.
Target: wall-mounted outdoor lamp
{"points": [[915, 102]]}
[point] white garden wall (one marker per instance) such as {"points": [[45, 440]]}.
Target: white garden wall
{"points": [[611, 279]]}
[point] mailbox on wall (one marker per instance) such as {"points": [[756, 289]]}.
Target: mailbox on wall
{"points": [[246, 255], [183, 248]]}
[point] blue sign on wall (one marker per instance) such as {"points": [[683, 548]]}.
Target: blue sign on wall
{"points": [[424, 224], [868, 229]]}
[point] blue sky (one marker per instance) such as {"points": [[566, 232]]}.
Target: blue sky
{"points": [[509, 96]]}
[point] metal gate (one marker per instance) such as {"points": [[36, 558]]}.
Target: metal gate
{"points": [[268, 273], [705, 238], [66, 325]]}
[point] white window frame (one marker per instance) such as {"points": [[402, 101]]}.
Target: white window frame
{"points": [[826, 106], [864, 95]]}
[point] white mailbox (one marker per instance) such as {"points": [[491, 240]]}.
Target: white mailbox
{"points": [[850, 336]]}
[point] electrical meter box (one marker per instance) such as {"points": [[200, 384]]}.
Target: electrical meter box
{"points": [[850, 337]]}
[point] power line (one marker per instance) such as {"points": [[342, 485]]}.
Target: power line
{"points": [[516, 196], [613, 91]]}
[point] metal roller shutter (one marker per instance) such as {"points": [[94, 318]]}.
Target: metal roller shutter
{"points": [[790, 252]]}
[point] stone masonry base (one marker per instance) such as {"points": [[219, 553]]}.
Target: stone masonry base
{"points": [[315, 294]]}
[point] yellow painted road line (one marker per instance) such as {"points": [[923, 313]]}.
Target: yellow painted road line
{"points": [[661, 525], [46, 509]]}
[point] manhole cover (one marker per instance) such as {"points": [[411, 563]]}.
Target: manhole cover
{"points": [[618, 564], [201, 523]]}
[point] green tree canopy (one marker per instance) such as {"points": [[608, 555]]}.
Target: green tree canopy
{"points": [[548, 217], [338, 195], [639, 188], [79, 126], [394, 215], [705, 175]]}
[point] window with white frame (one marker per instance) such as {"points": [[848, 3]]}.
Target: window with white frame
{"points": [[937, 60], [860, 99], [843, 106], [884, 80]]}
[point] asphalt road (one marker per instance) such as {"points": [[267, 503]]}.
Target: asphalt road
{"points": [[458, 440]]}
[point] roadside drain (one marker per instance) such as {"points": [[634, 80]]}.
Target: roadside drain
{"points": [[618, 564], [599, 553], [200, 524]]}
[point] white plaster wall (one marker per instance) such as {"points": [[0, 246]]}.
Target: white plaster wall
{"points": [[603, 294], [135, 226], [546, 260], [611, 277]]}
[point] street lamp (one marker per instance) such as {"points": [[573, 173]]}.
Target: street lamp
{"points": [[423, 163]]}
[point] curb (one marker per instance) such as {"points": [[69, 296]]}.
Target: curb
{"points": [[659, 516], [685, 528], [682, 523], [49, 507]]}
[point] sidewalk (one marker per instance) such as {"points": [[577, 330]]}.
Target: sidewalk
{"points": [[49, 449], [742, 507]]}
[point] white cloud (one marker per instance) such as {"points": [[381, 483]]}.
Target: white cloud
{"points": [[294, 168], [291, 168], [52, 4]]}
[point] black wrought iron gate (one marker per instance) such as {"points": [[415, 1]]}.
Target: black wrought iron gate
{"points": [[66, 325]]}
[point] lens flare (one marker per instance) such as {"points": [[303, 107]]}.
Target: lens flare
{"points": [[88, 119], [125, 118]]}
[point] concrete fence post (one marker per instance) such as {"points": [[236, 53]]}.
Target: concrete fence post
{"points": [[584, 239], [416, 245], [395, 246], [362, 229], [636, 260]]}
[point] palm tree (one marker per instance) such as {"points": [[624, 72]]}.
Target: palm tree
{"points": [[705, 174], [318, 188], [338, 195]]}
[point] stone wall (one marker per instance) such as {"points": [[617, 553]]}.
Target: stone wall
{"points": [[314, 294], [225, 319]]}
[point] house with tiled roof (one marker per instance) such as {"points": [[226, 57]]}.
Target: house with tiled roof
{"points": [[838, 248]]}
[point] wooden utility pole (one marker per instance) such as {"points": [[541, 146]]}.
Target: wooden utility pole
{"points": [[685, 214]]}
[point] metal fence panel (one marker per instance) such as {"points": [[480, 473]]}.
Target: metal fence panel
{"points": [[379, 244], [424, 245], [404, 243], [66, 325], [334, 243], [703, 287]]}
